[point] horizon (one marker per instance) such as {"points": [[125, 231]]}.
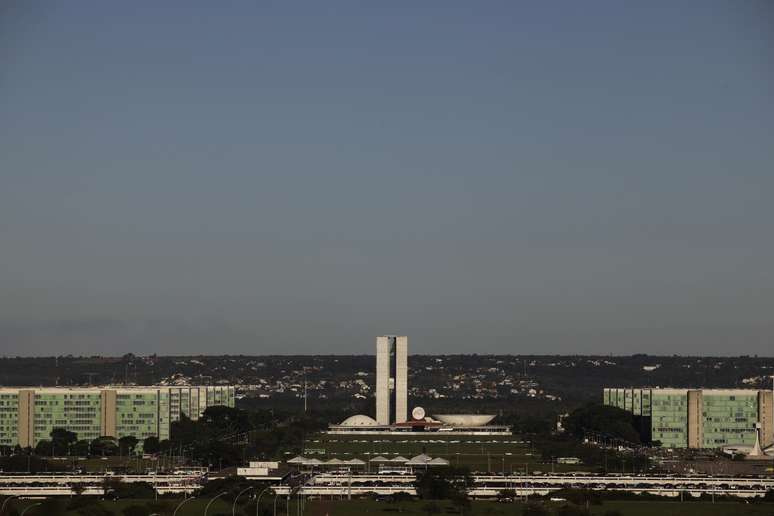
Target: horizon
{"points": [[296, 355]]}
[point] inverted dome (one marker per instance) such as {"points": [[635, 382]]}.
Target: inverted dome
{"points": [[359, 420]]}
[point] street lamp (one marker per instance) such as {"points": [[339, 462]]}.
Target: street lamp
{"points": [[30, 507], [2, 507], [233, 505], [207, 508], [174, 513], [258, 500], [275, 503]]}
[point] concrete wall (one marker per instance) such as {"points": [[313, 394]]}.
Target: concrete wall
{"points": [[108, 413], [29, 421], [766, 417], [695, 419], [383, 380], [701, 418], [26, 418], [401, 379]]}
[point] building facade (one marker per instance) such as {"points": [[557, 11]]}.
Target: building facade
{"points": [[29, 414], [391, 379], [699, 418]]}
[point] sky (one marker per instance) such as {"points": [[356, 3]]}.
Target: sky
{"points": [[298, 177]]}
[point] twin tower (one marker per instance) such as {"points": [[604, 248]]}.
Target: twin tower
{"points": [[391, 379]]}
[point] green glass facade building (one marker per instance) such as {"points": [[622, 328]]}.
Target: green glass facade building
{"points": [[29, 414], [698, 418]]}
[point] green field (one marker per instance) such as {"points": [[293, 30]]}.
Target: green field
{"points": [[118, 464], [479, 453], [361, 507], [164, 507]]}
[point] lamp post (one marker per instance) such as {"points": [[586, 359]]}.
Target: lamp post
{"points": [[258, 500], [207, 507], [29, 507], [233, 505], [276, 496], [174, 513], [2, 507]]}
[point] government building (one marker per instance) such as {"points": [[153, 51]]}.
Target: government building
{"points": [[698, 418], [29, 414]]}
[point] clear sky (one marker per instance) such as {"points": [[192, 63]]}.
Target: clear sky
{"points": [[299, 177]]}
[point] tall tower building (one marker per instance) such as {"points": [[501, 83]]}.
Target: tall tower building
{"points": [[391, 379]]}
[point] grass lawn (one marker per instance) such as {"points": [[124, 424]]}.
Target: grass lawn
{"points": [[479, 453], [363, 507], [481, 508], [163, 507]]}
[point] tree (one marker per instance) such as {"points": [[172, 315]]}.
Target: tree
{"points": [[226, 419], [44, 448], [105, 446], [81, 448], [442, 483], [30, 463], [62, 439], [612, 421], [127, 444], [151, 445]]}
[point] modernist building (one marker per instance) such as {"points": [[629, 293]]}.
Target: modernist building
{"points": [[698, 418], [391, 379], [29, 414], [392, 403]]}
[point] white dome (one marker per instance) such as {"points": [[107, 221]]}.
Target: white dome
{"points": [[359, 420], [464, 420]]}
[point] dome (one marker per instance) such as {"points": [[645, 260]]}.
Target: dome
{"points": [[359, 420]]}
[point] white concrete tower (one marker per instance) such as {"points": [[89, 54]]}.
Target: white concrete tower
{"points": [[401, 379], [383, 380], [391, 379]]}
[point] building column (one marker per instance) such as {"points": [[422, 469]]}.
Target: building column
{"points": [[26, 424], [766, 417], [383, 380], [401, 379], [695, 419], [108, 412]]}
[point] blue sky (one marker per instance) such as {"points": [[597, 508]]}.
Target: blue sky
{"points": [[504, 177]]}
